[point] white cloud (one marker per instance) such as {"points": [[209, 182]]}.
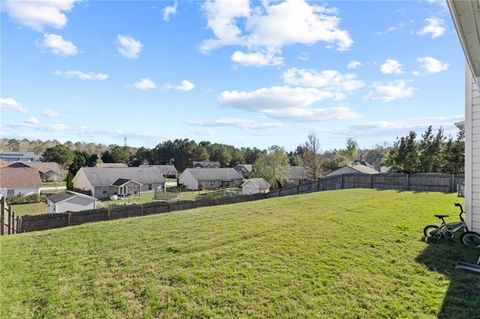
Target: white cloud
{"points": [[328, 79], [390, 91], [50, 113], [128, 46], [144, 84], [432, 65], [169, 11], [11, 104], [434, 27], [256, 59], [353, 64], [272, 26], [57, 45], [185, 86], [415, 73], [285, 102], [393, 28], [233, 122], [31, 120], [32, 125], [82, 75], [391, 67], [39, 14]]}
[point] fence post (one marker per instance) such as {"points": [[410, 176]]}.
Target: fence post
{"points": [[141, 210], [342, 182], [9, 221], [452, 184], [298, 189], [69, 219], [19, 225], [408, 182], [2, 216], [371, 181]]}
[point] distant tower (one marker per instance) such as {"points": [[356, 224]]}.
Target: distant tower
{"points": [[125, 141]]}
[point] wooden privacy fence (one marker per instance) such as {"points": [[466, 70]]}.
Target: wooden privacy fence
{"points": [[395, 181], [9, 223]]}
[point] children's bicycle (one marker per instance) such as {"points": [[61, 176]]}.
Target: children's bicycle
{"points": [[448, 230]]}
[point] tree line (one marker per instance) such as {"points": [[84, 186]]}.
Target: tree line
{"points": [[432, 152]]}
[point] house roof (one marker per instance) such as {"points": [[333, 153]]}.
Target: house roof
{"points": [[123, 181], [466, 18], [63, 196], [44, 167], [259, 182], [19, 177], [297, 172], [247, 167], [111, 165], [166, 169], [363, 169], [101, 176], [207, 164], [205, 174]]}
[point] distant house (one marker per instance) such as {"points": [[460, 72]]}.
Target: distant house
{"points": [[124, 181], [297, 176], [70, 201], [111, 165], [244, 169], [19, 181], [357, 168], [168, 170], [49, 171], [255, 186], [210, 178], [19, 157], [204, 164]]}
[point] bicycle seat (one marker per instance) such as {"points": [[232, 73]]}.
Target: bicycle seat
{"points": [[441, 216]]}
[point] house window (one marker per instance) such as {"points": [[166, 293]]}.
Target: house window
{"points": [[212, 183], [10, 192], [150, 187], [104, 191]]}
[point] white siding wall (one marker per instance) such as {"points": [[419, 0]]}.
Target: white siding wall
{"points": [[472, 153], [19, 191], [74, 204], [249, 189]]}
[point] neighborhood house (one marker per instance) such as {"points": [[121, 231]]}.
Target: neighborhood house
{"points": [[255, 186], [210, 178], [244, 169], [49, 171], [13, 157], [168, 170], [127, 181], [19, 181], [356, 168], [204, 164], [69, 201], [297, 176], [111, 165]]}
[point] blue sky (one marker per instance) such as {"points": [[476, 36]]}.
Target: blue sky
{"points": [[237, 72]]}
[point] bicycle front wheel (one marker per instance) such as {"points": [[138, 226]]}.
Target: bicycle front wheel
{"points": [[470, 239], [427, 231]]}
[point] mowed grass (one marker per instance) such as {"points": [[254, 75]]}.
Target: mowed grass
{"points": [[338, 254]]}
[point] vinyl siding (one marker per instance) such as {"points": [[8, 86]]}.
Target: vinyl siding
{"points": [[472, 152], [74, 204]]}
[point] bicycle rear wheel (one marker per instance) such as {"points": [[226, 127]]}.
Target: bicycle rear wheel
{"points": [[470, 239]]}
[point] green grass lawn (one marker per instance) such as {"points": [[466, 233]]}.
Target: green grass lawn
{"points": [[53, 184], [30, 209], [338, 254]]}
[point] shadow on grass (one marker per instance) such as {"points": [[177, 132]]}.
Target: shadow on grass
{"points": [[462, 299]]}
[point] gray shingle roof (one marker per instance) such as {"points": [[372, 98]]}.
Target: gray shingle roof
{"points": [[99, 176], [206, 174], [206, 164], [166, 169], [260, 182], [60, 197], [364, 169], [297, 172]]}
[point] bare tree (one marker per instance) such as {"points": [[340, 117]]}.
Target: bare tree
{"points": [[311, 157]]}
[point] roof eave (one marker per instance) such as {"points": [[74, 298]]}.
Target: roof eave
{"points": [[466, 18]]}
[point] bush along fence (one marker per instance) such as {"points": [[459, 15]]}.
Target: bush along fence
{"points": [[395, 181]]}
